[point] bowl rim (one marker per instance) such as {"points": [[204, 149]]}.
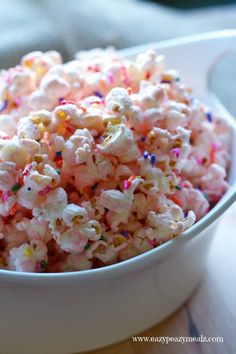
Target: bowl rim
{"points": [[158, 253]]}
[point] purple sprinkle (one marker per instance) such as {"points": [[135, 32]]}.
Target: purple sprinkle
{"points": [[209, 116], [124, 233], [60, 99], [143, 139], [145, 155], [98, 94], [153, 159], [165, 81], [3, 106], [191, 99]]}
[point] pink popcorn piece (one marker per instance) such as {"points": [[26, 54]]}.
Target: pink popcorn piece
{"points": [[101, 159]]}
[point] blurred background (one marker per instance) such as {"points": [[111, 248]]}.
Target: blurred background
{"points": [[71, 25]]}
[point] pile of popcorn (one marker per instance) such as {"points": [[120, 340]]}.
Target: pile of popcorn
{"points": [[101, 159]]}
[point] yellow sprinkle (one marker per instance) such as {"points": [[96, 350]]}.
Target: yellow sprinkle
{"points": [[118, 240], [28, 63], [61, 129], [38, 158], [40, 70], [167, 76], [151, 137], [28, 252], [147, 186], [41, 128], [36, 119], [178, 143], [62, 115], [77, 219], [101, 249], [96, 228], [112, 120]]}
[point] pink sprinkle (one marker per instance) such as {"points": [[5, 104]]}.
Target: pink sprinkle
{"points": [[27, 169], [45, 190], [152, 243], [5, 196], [18, 101], [199, 161], [126, 184], [110, 78], [64, 101], [176, 152], [125, 76], [214, 146], [38, 267]]}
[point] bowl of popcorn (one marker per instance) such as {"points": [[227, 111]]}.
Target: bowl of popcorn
{"points": [[113, 176]]}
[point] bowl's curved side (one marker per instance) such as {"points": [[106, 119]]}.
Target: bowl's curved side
{"points": [[86, 313]]}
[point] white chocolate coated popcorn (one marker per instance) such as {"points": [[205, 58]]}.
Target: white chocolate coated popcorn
{"points": [[102, 159]]}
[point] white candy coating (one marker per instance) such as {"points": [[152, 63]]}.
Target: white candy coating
{"points": [[101, 159]]}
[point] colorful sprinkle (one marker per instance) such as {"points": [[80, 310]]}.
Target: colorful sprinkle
{"points": [[45, 191], [126, 184], [5, 196], [83, 108], [176, 152], [3, 106], [13, 209], [27, 169], [43, 264], [110, 78], [153, 159], [143, 139], [153, 243], [58, 171], [178, 188], [147, 75], [125, 76], [87, 247], [213, 150], [131, 178], [209, 116], [124, 233], [145, 155], [16, 187], [199, 161], [94, 186], [28, 252], [58, 153], [18, 101], [191, 99], [102, 238], [63, 101], [98, 94], [176, 200], [165, 81], [38, 267], [205, 196]]}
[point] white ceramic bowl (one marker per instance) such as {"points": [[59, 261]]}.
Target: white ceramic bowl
{"points": [[80, 311]]}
